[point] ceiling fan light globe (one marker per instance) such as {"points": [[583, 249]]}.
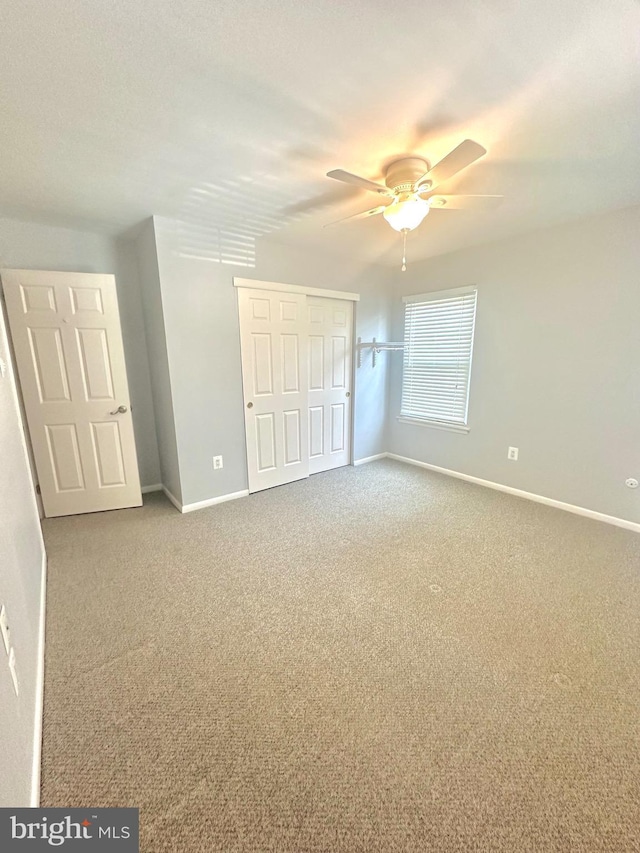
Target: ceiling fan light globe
{"points": [[406, 214]]}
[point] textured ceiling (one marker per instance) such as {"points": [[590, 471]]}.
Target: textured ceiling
{"points": [[227, 115]]}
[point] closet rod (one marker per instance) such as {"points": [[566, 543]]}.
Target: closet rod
{"points": [[376, 347]]}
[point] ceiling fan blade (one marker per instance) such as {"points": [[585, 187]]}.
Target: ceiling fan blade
{"points": [[464, 155], [356, 180], [365, 213], [465, 202]]}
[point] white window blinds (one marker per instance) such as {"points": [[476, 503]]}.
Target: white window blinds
{"points": [[437, 356]]}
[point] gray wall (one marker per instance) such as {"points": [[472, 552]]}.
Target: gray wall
{"points": [[21, 564], [555, 366], [203, 343], [156, 338], [27, 245]]}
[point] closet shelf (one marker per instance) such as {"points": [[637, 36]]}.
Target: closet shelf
{"points": [[377, 347]]}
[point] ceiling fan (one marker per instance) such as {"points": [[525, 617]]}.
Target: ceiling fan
{"points": [[410, 183]]}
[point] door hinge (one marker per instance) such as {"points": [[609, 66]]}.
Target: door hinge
{"points": [[38, 492]]}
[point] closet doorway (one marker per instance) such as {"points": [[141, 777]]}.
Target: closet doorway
{"points": [[297, 372]]}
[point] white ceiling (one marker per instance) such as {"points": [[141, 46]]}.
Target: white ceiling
{"points": [[228, 114]]}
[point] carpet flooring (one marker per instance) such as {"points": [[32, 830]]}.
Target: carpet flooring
{"points": [[374, 659]]}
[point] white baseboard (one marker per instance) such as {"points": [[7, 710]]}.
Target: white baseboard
{"points": [[366, 459], [232, 496], [172, 498], [37, 723], [157, 487], [489, 484], [576, 510]]}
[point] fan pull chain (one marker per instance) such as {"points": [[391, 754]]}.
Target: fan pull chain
{"points": [[404, 250]]}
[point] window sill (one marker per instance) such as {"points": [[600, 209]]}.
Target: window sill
{"points": [[433, 424]]}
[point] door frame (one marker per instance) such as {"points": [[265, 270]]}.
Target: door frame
{"points": [[254, 284], [347, 296]]}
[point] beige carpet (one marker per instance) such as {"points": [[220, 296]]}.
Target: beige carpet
{"points": [[374, 659]]}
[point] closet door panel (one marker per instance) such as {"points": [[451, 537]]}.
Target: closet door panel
{"points": [[274, 346], [330, 377]]}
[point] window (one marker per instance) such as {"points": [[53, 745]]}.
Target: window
{"points": [[438, 333]]}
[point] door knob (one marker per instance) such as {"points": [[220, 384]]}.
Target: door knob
{"points": [[249, 405], [119, 411], [348, 394]]}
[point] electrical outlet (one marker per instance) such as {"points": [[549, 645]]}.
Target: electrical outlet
{"points": [[4, 628], [217, 463], [12, 670], [513, 454]]}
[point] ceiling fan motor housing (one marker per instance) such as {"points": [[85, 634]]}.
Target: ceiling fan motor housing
{"points": [[402, 174]]}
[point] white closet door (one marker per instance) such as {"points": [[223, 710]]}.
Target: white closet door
{"points": [[273, 336], [68, 345], [329, 378]]}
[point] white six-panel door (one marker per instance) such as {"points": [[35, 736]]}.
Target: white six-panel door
{"points": [[66, 335], [296, 371], [273, 335], [329, 376]]}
